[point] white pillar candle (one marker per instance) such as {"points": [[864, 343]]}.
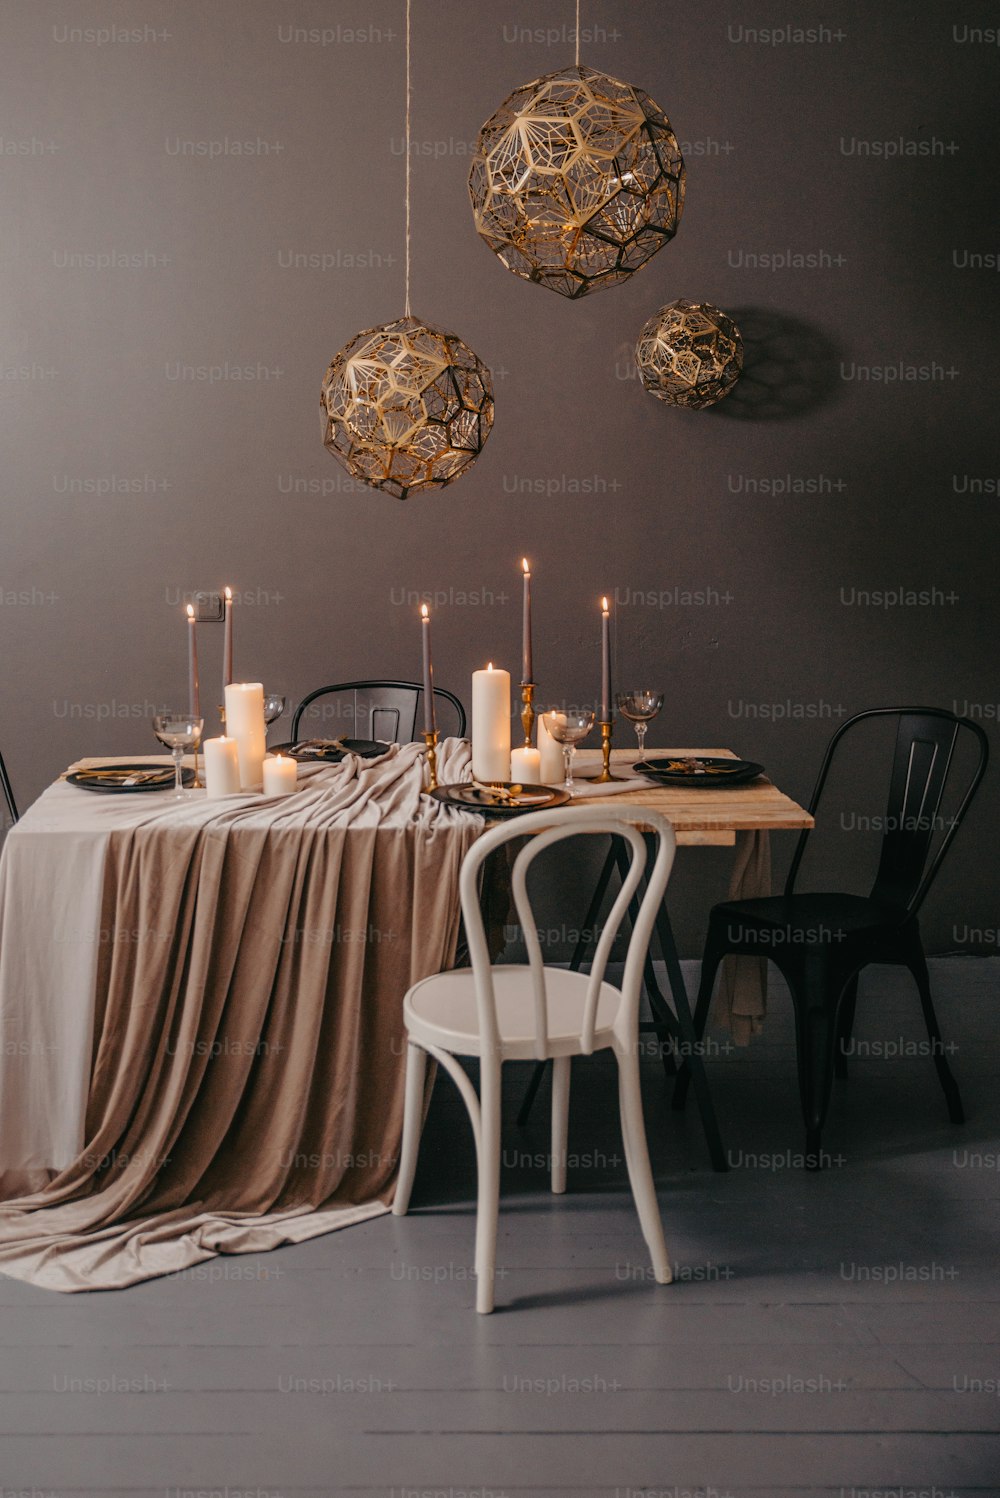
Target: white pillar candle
{"points": [[222, 766], [491, 724], [553, 769], [526, 765], [280, 775], [245, 724]]}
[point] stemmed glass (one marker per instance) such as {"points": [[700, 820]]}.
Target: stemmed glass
{"points": [[568, 728], [274, 706], [178, 731], [640, 708]]}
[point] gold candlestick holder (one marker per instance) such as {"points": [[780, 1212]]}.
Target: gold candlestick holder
{"points": [[197, 784], [430, 739], [527, 711], [607, 729], [222, 719]]}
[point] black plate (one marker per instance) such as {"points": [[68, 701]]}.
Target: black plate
{"points": [[471, 798], [700, 772], [331, 751], [87, 780]]}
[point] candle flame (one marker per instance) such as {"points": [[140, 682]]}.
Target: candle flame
{"points": [[524, 564], [190, 612], [229, 595], [604, 604], [490, 666], [423, 611]]}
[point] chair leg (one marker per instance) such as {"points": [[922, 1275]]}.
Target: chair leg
{"points": [[917, 965], [560, 1121], [413, 1109], [714, 952], [815, 1034], [845, 1027], [637, 1159], [488, 1203]]}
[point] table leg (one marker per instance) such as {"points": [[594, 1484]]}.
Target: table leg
{"points": [[577, 960]]}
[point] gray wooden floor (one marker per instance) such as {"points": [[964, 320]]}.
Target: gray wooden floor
{"points": [[826, 1334]]}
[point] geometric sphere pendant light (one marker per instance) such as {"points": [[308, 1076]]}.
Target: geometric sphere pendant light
{"points": [[577, 181], [405, 407], [689, 354]]}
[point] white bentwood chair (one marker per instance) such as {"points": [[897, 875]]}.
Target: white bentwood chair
{"points": [[533, 1012]]}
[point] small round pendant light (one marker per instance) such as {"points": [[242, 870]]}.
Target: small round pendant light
{"points": [[404, 406], [689, 354], [577, 181]]}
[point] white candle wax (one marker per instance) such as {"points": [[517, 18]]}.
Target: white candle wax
{"points": [[491, 724], [222, 766], [526, 765], [194, 687], [245, 724], [553, 769], [280, 775]]}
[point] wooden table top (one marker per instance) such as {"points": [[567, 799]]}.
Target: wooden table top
{"points": [[706, 817]]}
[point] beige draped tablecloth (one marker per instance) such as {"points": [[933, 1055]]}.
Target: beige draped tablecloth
{"points": [[201, 1035], [232, 974]]}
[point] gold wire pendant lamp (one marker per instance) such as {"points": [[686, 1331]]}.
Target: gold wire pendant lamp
{"points": [[577, 181], [406, 407], [689, 354]]}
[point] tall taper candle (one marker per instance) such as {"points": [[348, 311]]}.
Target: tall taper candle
{"points": [[526, 627], [425, 630], [194, 688], [605, 663], [227, 654]]}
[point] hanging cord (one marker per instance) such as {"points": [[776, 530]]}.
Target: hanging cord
{"points": [[406, 299], [577, 32]]}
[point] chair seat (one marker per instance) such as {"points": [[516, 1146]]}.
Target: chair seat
{"points": [[442, 1011], [810, 920]]}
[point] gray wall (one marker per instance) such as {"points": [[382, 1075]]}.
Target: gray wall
{"points": [[91, 627]]}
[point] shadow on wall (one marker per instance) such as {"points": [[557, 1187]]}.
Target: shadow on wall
{"points": [[789, 368]]}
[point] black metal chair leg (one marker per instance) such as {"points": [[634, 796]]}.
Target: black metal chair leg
{"points": [[690, 1041], [815, 1035], [845, 1027], [711, 961], [917, 965]]}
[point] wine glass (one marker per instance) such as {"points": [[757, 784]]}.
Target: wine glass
{"points": [[178, 731], [640, 707], [568, 728], [274, 706]]}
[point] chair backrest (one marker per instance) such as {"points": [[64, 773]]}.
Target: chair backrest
{"points": [[8, 792], [384, 710], [546, 829], [922, 765]]}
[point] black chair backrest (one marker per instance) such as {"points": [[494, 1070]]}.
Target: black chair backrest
{"points": [[921, 766], [8, 793], [384, 710]]}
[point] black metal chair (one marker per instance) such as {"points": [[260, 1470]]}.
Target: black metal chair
{"points": [[8, 792], [384, 710], [821, 942]]}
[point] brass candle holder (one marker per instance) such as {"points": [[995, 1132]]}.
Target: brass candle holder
{"points": [[430, 739], [197, 783], [607, 729], [527, 711]]}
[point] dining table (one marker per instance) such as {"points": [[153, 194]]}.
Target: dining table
{"points": [[201, 1033]]}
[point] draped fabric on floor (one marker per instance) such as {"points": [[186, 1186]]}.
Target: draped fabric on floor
{"points": [[247, 1039]]}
